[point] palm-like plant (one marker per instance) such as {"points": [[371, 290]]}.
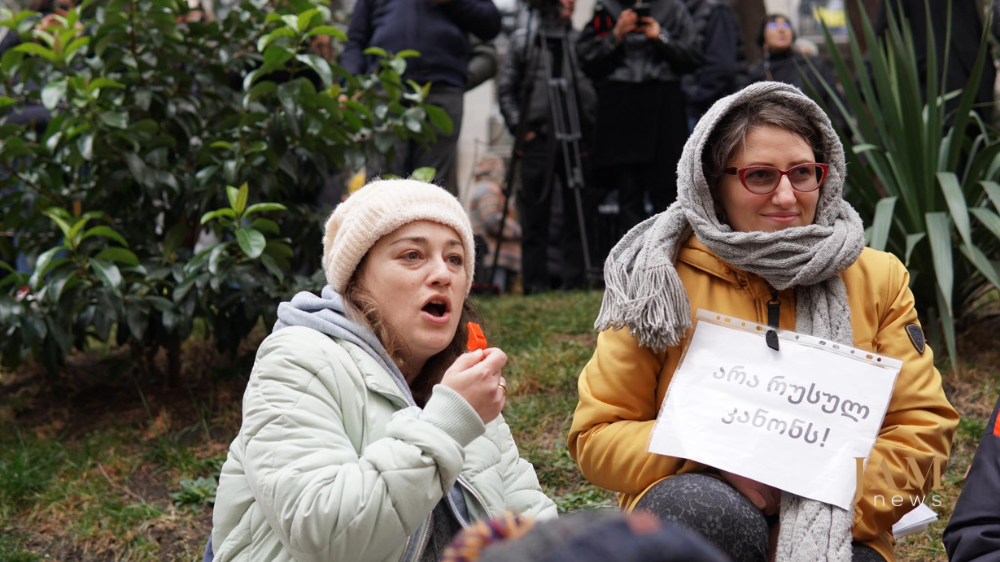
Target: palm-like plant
{"points": [[925, 179]]}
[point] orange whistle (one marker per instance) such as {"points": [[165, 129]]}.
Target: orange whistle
{"points": [[476, 338]]}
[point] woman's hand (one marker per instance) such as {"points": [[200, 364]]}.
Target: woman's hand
{"points": [[627, 23], [476, 377], [766, 498]]}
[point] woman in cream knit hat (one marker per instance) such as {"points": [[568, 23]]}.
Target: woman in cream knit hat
{"points": [[368, 434]]}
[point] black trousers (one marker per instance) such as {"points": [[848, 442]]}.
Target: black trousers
{"points": [[536, 213]]}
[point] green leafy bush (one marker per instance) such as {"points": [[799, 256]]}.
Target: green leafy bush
{"points": [[922, 178], [121, 201]]}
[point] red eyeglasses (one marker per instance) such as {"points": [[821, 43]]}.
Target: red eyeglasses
{"points": [[761, 180]]}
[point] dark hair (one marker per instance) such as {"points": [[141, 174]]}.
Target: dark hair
{"points": [[730, 134], [770, 19], [362, 307]]}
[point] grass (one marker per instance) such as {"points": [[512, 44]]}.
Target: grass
{"points": [[122, 469]]}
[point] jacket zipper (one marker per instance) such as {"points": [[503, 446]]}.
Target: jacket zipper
{"points": [[421, 544], [475, 494]]}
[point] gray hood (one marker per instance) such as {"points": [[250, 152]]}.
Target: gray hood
{"points": [[327, 314], [692, 187]]}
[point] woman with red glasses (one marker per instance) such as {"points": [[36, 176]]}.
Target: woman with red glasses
{"points": [[760, 228]]}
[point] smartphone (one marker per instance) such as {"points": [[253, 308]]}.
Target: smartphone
{"points": [[642, 11]]}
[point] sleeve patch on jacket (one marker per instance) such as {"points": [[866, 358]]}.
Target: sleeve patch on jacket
{"points": [[916, 337]]}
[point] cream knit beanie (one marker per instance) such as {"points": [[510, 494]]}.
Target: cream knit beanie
{"points": [[381, 207]]}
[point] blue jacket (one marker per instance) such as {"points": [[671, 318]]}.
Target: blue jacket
{"points": [[437, 30], [973, 533]]}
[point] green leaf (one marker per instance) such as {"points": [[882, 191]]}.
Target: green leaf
{"points": [[77, 227], [956, 204], [107, 272], [120, 255], [939, 233], [115, 119], [993, 190], [882, 223], [206, 174], [276, 55], [161, 304], [251, 241], [376, 51], [327, 30], [262, 224], [272, 265], [6, 102], [138, 322], [989, 219], [106, 232], [222, 144], [103, 82], [211, 215], [61, 222], [267, 39], [439, 119], [304, 19], [237, 198], [36, 49], [42, 265], [911, 242], [982, 263], [264, 207], [260, 90], [407, 54], [320, 65], [424, 174], [948, 327], [53, 93]]}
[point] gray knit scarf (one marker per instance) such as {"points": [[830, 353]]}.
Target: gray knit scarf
{"points": [[645, 294]]}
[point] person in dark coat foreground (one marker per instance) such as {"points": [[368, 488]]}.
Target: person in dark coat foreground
{"points": [[973, 532]]}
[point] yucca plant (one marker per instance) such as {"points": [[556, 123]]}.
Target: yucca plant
{"points": [[923, 178]]}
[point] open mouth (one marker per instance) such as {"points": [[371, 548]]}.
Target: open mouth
{"points": [[436, 308]]}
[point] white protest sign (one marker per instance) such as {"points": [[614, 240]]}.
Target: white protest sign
{"points": [[794, 419]]}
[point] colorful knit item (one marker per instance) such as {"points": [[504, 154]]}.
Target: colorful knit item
{"points": [[470, 543]]}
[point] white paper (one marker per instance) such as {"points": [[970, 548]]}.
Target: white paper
{"points": [[795, 419], [914, 522]]}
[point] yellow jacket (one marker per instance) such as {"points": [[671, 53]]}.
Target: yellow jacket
{"points": [[622, 386]]}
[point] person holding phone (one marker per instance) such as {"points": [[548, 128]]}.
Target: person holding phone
{"points": [[636, 54]]}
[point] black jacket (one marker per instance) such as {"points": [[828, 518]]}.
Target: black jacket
{"points": [[638, 59], [438, 31], [973, 532], [513, 75], [724, 68]]}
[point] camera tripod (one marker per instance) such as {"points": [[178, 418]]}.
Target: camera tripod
{"points": [[564, 115]]}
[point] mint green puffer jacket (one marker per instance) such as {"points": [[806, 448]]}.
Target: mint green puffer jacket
{"points": [[332, 465]]}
